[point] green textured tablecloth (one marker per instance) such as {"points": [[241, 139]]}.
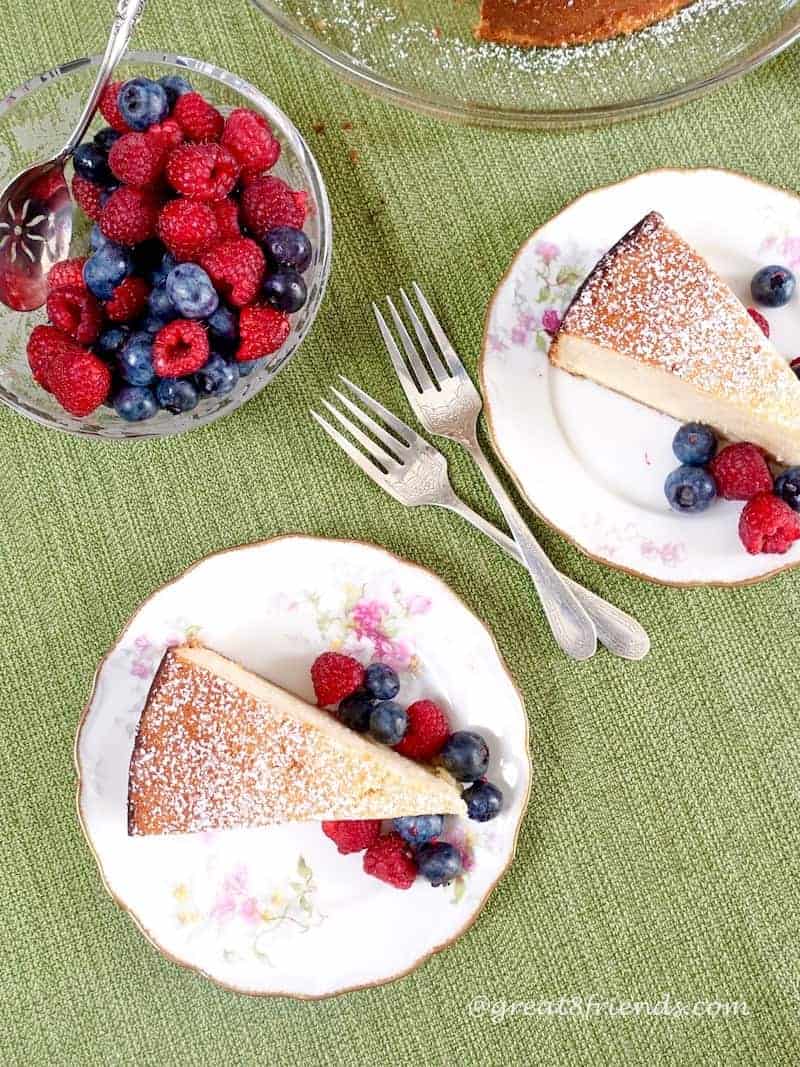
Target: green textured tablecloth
{"points": [[659, 854]]}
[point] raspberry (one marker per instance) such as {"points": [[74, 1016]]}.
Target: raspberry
{"points": [[390, 858], [262, 331], [353, 836], [66, 272], [335, 677], [166, 135], [249, 138], [197, 118], [202, 171], [428, 729], [187, 227], [45, 345], [740, 472], [76, 313], [268, 202], [236, 267], [768, 524], [226, 212], [181, 347], [109, 108], [129, 300], [87, 196], [759, 320], [129, 216], [80, 381], [136, 159]]}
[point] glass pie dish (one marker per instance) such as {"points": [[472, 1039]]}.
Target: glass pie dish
{"points": [[35, 120], [423, 54]]}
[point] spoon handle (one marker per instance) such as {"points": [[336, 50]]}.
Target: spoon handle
{"points": [[128, 12]]}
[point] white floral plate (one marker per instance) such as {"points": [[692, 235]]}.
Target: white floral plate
{"points": [[278, 910], [591, 462]]}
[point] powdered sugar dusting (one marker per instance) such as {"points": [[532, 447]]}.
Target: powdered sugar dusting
{"points": [[431, 46], [654, 298], [208, 756]]}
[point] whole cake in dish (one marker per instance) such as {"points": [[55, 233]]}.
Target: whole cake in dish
{"points": [[550, 23], [218, 748], [654, 322]]}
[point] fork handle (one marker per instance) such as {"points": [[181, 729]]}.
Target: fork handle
{"points": [[571, 626], [621, 634], [127, 15]]}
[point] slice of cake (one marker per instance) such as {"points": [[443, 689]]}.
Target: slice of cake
{"points": [[549, 23], [217, 748], [654, 322]]}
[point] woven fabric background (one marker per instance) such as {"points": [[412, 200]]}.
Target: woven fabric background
{"points": [[660, 852]]}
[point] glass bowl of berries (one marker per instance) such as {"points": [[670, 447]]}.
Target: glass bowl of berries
{"points": [[200, 253]]}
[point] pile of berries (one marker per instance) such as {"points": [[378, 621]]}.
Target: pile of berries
{"points": [[364, 700], [770, 519], [196, 262]]}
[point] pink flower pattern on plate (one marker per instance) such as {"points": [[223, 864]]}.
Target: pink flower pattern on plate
{"points": [[547, 251], [369, 621], [786, 249]]}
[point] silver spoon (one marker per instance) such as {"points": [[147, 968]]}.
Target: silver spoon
{"points": [[36, 207]]}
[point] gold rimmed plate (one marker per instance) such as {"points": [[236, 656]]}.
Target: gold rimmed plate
{"points": [[278, 911], [592, 463]]}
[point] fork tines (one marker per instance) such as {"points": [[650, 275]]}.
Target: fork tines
{"points": [[440, 364], [384, 451]]}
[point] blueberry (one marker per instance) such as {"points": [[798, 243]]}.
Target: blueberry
{"points": [[152, 323], [136, 359], [191, 291], [419, 829], [135, 403], [694, 444], [106, 268], [787, 486], [355, 710], [388, 723], [147, 257], [217, 377], [176, 395], [286, 291], [287, 246], [772, 286], [142, 103], [158, 274], [91, 163], [381, 681], [689, 489], [224, 328], [96, 237], [484, 801], [465, 755], [174, 86], [160, 306], [439, 862], [110, 341], [247, 366], [106, 138]]}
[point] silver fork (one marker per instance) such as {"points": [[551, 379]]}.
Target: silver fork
{"points": [[412, 471], [445, 401]]}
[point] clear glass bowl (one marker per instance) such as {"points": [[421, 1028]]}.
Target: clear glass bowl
{"points": [[35, 120], [422, 54]]}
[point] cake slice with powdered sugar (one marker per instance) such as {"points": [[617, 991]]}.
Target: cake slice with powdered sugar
{"points": [[654, 322], [219, 748]]}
